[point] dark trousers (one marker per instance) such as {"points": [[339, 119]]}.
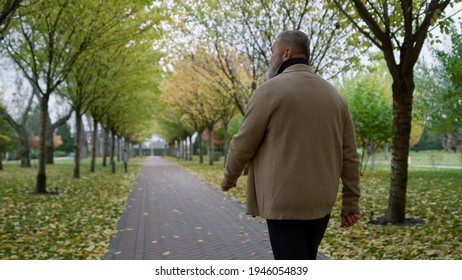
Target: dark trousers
{"points": [[296, 239]]}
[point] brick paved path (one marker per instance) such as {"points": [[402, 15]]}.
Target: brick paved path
{"points": [[171, 214]]}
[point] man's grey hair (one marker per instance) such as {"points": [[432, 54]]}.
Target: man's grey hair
{"points": [[297, 40]]}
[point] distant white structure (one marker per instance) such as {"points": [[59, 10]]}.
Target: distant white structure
{"points": [[154, 145], [155, 142]]}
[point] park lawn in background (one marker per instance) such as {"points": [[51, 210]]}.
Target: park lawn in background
{"points": [[434, 197], [427, 158], [79, 223], [435, 158]]}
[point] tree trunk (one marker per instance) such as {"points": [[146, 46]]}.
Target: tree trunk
{"points": [[105, 146], [190, 148], [24, 148], [402, 117], [83, 142], [225, 143], [49, 142], [41, 176], [99, 142], [211, 145], [373, 156], [118, 148], [93, 145], [177, 150], [1, 159], [20, 129], [125, 154], [386, 150], [181, 143], [78, 131], [185, 148], [112, 151], [201, 147]]}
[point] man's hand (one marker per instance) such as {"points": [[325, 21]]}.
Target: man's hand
{"points": [[349, 219], [226, 185], [226, 188]]}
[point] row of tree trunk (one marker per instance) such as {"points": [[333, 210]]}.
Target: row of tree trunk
{"points": [[111, 148], [183, 148], [80, 140]]}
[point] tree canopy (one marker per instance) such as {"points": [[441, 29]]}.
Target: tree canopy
{"points": [[440, 87], [85, 51]]}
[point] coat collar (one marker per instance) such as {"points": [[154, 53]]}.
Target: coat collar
{"points": [[298, 68], [286, 64]]}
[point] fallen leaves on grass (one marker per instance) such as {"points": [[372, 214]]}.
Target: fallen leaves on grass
{"points": [[79, 223]]}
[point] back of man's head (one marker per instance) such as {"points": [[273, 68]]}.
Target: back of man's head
{"points": [[297, 40]]}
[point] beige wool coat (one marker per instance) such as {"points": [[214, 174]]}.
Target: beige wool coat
{"points": [[299, 140]]}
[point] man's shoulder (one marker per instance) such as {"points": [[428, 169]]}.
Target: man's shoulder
{"points": [[266, 86], [272, 84]]}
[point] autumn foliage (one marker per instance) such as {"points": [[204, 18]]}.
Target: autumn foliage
{"points": [[34, 142]]}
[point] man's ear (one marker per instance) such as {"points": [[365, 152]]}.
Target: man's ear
{"points": [[287, 54]]}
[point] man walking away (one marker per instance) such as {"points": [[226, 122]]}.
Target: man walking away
{"points": [[298, 138]]}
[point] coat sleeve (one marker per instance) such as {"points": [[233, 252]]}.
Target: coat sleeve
{"points": [[246, 142], [350, 172]]}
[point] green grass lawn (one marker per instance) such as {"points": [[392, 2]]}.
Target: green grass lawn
{"points": [[436, 158], [434, 196], [79, 223], [430, 158]]}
